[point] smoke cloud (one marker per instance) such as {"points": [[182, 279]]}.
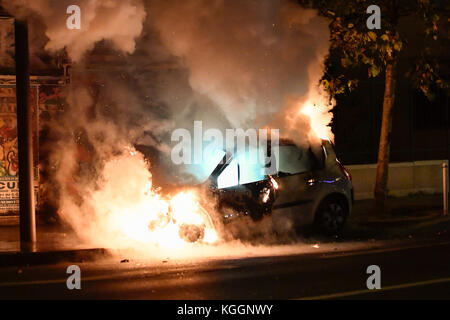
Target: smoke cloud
{"points": [[251, 58], [228, 63], [119, 22]]}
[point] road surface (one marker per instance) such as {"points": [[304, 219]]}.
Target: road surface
{"points": [[409, 270]]}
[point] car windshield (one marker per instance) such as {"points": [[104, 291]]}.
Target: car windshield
{"points": [[289, 160], [240, 171]]}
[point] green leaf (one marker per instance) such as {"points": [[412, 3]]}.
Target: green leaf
{"points": [[352, 84], [325, 83], [374, 71], [345, 62], [366, 60], [398, 46], [389, 50], [372, 35]]}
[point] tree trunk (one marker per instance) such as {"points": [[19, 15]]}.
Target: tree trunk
{"points": [[385, 136]]}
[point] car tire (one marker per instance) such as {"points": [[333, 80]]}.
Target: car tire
{"points": [[191, 232], [331, 216]]}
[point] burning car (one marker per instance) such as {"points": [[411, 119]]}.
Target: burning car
{"points": [[309, 187], [306, 187]]}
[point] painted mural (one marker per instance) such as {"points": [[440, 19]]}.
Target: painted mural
{"points": [[9, 160]]}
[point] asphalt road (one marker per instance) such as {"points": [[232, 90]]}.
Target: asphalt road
{"points": [[409, 270]]}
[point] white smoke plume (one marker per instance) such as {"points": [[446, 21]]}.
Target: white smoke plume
{"points": [[119, 22], [252, 58]]}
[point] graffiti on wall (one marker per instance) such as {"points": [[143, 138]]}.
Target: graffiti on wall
{"points": [[8, 133], [9, 155]]}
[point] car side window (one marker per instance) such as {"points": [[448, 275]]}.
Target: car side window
{"points": [[293, 160]]}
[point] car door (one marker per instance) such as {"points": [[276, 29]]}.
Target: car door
{"points": [[296, 187]]}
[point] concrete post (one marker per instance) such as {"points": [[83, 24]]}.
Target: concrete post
{"points": [[445, 187], [25, 137]]}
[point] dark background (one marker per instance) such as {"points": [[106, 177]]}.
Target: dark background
{"points": [[420, 128]]}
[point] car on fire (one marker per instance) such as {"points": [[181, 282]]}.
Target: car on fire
{"points": [[308, 188]]}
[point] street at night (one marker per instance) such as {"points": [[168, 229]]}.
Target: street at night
{"points": [[410, 270], [223, 156]]}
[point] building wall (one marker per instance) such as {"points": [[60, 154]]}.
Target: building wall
{"points": [[405, 178]]}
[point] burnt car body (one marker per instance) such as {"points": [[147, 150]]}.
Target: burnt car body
{"points": [[308, 188]]}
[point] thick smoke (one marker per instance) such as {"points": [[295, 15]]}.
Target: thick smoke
{"points": [[253, 59], [229, 63], [119, 22]]}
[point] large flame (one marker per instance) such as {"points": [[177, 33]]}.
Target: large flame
{"points": [[317, 107], [126, 210], [320, 118]]}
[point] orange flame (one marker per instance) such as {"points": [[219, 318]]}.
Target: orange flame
{"points": [[126, 211]]}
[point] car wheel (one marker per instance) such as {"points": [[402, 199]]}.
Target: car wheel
{"points": [[191, 232], [331, 216]]}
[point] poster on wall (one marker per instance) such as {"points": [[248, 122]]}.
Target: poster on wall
{"points": [[9, 160], [6, 43]]}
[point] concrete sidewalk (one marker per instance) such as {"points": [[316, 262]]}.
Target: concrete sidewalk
{"points": [[49, 238], [54, 244], [399, 211], [418, 215]]}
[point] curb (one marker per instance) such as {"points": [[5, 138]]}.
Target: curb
{"points": [[398, 222], [413, 227], [430, 223], [9, 259]]}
